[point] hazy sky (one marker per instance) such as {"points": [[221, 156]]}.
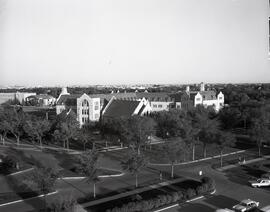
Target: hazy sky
{"points": [[58, 42]]}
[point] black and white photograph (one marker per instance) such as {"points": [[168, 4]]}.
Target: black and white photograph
{"points": [[134, 105]]}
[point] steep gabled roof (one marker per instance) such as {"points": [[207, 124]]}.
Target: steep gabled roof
{"points": [[121, 108], [155, 97], [208, 95], [69, 100]]}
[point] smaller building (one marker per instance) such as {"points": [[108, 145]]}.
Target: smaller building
{"points": [[119, 108], [40, 100], [19, 96]]}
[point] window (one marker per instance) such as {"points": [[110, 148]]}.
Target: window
{"points": [[154, 105], [159, 106], [198, 99], [96, 116], [96, 107], [85, 103], [220, 97]]}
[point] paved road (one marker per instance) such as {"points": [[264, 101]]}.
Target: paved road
{"points": [[230, 190]]}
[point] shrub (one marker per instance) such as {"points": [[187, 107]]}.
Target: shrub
{"points": [[65, 203], [180, 195], [8, 163], [175, 197], [169, 199], [209, 183], [163, 199], [200, 190], [191, 193]]}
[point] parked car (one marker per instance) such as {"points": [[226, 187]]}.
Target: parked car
{"points": [[246, 205], [260, 182], [266, 208]]}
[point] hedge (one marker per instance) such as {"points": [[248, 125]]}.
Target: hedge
{"points": [[207, 185]]}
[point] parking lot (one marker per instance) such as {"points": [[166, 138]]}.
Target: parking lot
{"points": [[232, 187]]}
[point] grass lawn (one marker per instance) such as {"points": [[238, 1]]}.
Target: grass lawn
{"points": [[155, 155]]}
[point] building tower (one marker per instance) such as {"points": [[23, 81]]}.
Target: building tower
{"points": [[202, 87]]}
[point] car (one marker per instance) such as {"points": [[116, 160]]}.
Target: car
{"points": [[246, 205], [260, 182], [266, 208]]}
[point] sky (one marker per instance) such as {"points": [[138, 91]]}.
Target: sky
{"points": [[85, 42]]}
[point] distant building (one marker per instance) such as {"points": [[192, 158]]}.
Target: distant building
{"points": [[19, 96], [157, 101], [119, 108], [188, 99], [87, 109], [40, 100]]}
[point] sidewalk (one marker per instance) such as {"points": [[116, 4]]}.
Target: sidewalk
{"points": [[246, 162], [128, 193]]}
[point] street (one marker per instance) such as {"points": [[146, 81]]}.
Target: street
{"points": [[230, 190]]}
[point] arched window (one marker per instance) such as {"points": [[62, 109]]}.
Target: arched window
{"points": [[85, 103]]}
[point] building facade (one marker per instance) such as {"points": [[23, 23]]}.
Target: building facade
{"points": [[87, 109]]}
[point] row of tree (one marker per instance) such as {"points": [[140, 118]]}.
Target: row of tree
{"points": [[15, 122]]}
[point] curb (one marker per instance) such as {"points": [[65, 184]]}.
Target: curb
{"points": [[19, 172], [81, 178], [191, 200], [22, 200], [199, 160]]}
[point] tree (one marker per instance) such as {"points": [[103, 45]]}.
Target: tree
{"points": [[175, 152], [16, 122], [207, 126], [224, 139], [67, 128], [134, 164], [137, 131], [229, 117], [168, 123], [88, 167], [4, 125], [37, 129], [190, 135], [259, 132], [42, 179]]}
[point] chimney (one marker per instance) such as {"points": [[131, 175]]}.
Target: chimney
{"points": [[202, 86], [187, 88]]}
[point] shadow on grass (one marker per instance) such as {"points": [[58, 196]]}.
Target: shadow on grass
{"points": [[24, 192]]}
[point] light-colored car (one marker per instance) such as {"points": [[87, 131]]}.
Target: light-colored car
{"points": [[266, 208], [246, 205], [260, 182]]}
